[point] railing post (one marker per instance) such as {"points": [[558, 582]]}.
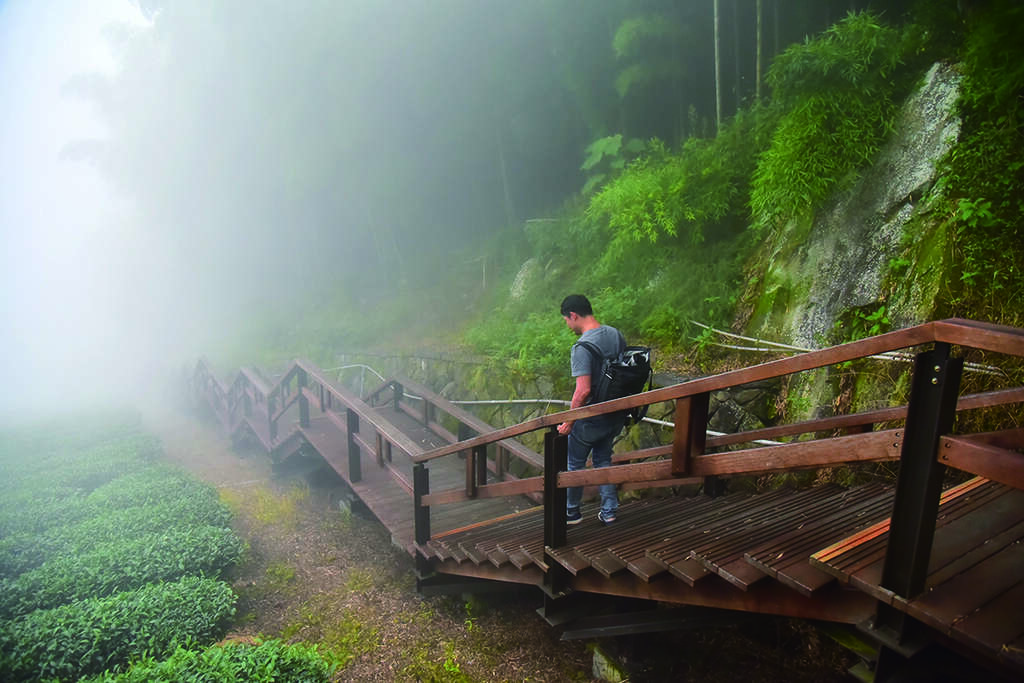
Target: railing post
{"points": [[355, 469], [300, 380], [421, 519], [397, 391], [690, 437], [480, 465], [556, 459], [271, 422], [930, 415], [499, 462]]}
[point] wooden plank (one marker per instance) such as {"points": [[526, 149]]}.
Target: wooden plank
{"points": [[978, 335], [835, 550], [811, 535], [991, 462], [995, 540], [996, 624], [497, 490], [862, 565], [690, 571], [867, 418], [961, 596], [646, 568], [607, 564]]}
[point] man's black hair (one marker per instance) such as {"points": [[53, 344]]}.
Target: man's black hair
{"points": [[578, 304]]}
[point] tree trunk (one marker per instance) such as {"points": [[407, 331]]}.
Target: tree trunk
{"points": [[718, 75], [509, 215], [757, 59], [738, 79]]}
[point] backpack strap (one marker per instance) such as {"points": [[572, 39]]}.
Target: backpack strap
{"points": [[594, 351], [597, 362]]}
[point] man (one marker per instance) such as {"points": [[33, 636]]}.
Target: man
{"points": [[593, 435]]}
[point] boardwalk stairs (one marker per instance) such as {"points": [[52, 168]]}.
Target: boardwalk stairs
{"points": [[931, 564]]}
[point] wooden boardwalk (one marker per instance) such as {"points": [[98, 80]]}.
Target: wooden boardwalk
{"points": [[947, 560]]}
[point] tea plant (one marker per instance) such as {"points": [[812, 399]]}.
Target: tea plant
{"points": [[92, 635], [268, 661], [25, 551], [120, 566]]}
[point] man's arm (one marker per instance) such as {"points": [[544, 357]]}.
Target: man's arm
{"points": [[579, 398]]}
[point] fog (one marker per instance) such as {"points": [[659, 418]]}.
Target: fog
{"points": [[172, 171]]}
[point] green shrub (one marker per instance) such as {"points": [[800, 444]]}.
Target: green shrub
{"points": [[197, 506], [983, 175], [39, 508], [120, 566], [839, 95], [268, 661], [93, 635]]}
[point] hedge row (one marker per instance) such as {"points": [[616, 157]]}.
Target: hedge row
{"points": [[267, 662], [121, 566], [90, 636], [25, 551], [36, 510]]}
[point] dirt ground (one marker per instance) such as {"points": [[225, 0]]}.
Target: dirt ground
{"points": [[317, 573]]}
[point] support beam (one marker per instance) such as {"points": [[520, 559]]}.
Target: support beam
{"points": [[930, 414]]}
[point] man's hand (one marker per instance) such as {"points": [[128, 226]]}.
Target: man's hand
{"points": [[565, 428]]}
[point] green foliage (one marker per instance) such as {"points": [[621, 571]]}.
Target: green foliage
{"points": [[983, 176], [342, 634], [860, 323], [534, 343], [606, 157], [839, 92], [267, 661], [644, 45], [662, 195], [95, 634], [119, 566], [196, 506]]}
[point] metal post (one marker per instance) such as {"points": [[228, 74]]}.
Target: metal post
{"points": [[556, 459], [931, 412], [355, 470]]}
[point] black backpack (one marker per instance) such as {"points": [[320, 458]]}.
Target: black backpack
{"points": [[621, 376]]}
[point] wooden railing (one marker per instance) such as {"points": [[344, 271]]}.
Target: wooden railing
{"points": [[248, 399], [923, 443], [430, 409]]}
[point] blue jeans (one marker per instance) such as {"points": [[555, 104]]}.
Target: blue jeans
{"points": [[593, 437]]}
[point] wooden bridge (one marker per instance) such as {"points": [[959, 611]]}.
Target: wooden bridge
{"points": [[936, 560]]}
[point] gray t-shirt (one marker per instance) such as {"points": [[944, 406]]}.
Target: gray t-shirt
{"points": [[607, 338]]}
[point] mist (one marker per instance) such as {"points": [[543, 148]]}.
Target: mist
{"points": [[173, 172]]}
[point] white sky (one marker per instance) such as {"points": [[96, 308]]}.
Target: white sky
{"points": [[54, 309]]}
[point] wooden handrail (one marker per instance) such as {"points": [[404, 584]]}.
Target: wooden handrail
{"points": [[981, 336], [517, 449], [365, 412]]}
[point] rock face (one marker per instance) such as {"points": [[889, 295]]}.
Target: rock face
{"points": [[845, 258]]}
